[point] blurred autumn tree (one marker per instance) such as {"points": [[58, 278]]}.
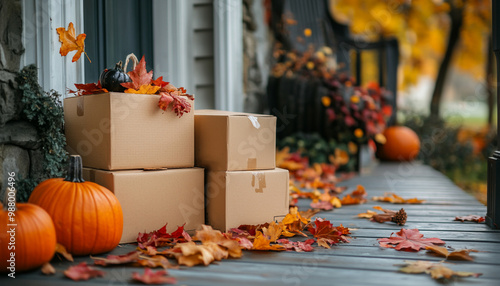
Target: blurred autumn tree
{"points": [[430, 32]]}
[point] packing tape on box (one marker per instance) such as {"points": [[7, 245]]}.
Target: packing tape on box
{"points": [[80, 106], [255, 121], [258, 181], [252, 163]]}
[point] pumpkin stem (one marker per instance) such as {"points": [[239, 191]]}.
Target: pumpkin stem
{"points": [[134, 58], [75, 170], [119, 65]]}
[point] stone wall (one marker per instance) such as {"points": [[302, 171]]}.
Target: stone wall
{"points": [[19, 142]]}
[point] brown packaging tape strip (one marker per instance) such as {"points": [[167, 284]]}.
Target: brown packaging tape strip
{"points": [[80, 109], [252, 163], [258, 181]]}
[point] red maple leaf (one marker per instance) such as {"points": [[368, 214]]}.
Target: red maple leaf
{"points": [[88, 88], [82, 272], [151, 277], [298, 246], [409, 240], [117, 259], [161, 237], [159, 82], [139, 76], [324, 229], [474, 218]]}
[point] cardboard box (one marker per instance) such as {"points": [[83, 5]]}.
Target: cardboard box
{"points": [[150, 199], [115, 131], [246, 197], [234, 141]]}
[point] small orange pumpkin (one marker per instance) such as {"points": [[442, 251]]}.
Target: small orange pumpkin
{"points": [[88, 217], [402, 144], [30, 236]]}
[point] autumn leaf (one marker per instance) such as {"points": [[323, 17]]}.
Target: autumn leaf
{"points": [[155, 261], [473, 218], [117, 259], [326, 201], [48, 269], [207, 235], [395, 199], [151, 277], [368, 214], [244, 243], [262, 243], [324, 229], [192, 254], [322, 205], [294, 223], [398, 217], [88, 88], [61, 250], [357, 196], [161, 237], [462, 254], [82, 272], [298, 246], [273, 231], [159, 82], [139, 76], [325, 242], [436, 270], [409, 240], [71, 42], [144, 89]]}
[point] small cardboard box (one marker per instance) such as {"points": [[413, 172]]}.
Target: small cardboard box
{"points": [[234, 141], [246, 197], [150, 199], [113, 131]]}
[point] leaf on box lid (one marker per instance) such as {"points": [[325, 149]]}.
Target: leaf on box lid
{"points": [[144, 89], [88, 88], [151, 277], [139, 76], [409, 240], [82, 272]]}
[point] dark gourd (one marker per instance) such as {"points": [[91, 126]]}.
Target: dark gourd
{"points": [[112, 79]]}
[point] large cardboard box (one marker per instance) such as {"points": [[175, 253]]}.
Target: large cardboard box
{"points": [[246, 197], [150, 199], [234, 141], [115, 131]]}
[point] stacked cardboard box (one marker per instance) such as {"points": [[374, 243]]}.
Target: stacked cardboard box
{"points": [[129, 146], [243, 184]]}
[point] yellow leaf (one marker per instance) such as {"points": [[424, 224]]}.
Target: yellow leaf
{"points": [[144, 89]]}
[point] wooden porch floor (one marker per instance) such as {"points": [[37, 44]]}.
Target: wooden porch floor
{"points": [[360, 262]]}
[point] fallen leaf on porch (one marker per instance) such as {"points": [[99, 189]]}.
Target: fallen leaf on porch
{"points": [[294, 223], [192, 254], [161, 237], [462, 254], [395, 199], [82, 272], [298, 246], [88, 88], [357, 196], [409, 240], [71, 42], [273, 231], [207, 235], [324, 229], [325, 242], [326, 201], [60, 249], [151, 277], [308, 214], [117, 259], [474, 218], [244, 242], [262, 243], [48, 269], [398, 217], [155, 261], [436, 270]]}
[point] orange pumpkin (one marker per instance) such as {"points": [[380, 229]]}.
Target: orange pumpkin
{"points": [[30, 236], [402, 144], [88, 217]]}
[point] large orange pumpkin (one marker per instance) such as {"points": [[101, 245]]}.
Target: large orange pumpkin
{"points": [[88, 217], [402, 144], [30, 236]]}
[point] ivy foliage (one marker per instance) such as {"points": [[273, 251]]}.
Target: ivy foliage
{"points": [[45, 112]]}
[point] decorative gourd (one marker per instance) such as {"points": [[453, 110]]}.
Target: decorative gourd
{"points": [[402, 144], [31, 236], [111, 79], [88, 217]]}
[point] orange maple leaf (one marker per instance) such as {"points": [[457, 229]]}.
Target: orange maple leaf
{"points": [[139, 76], [395, 199], [71, 42], [262, 243], [144, 89]]}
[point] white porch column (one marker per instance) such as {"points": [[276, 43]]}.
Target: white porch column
{"points": [[41, 18]]}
